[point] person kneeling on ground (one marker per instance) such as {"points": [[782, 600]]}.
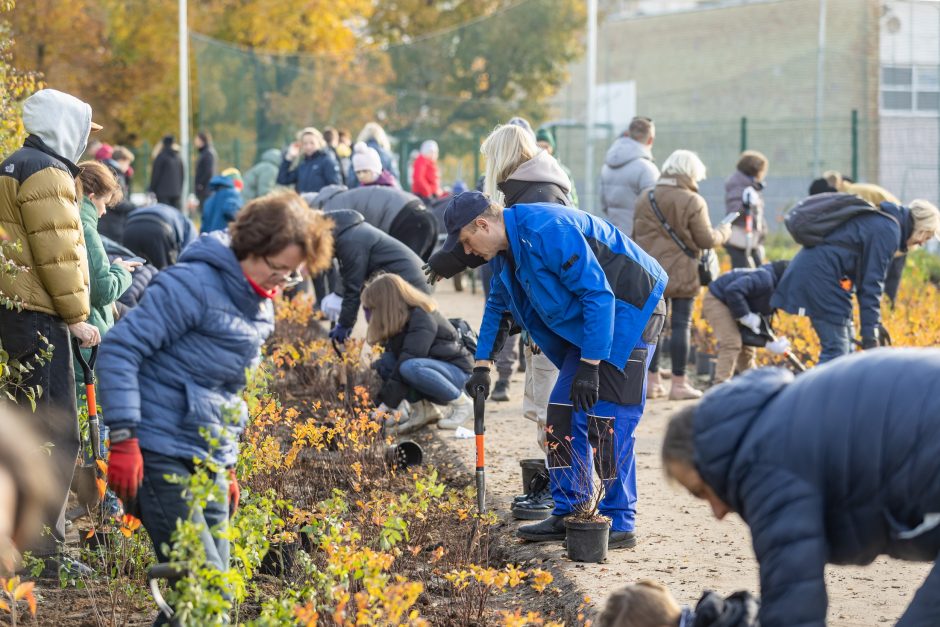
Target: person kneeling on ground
{"points": [[591, 300], [424, 354], [649, 604], [741, 298], [172, 371], [837, 466]]}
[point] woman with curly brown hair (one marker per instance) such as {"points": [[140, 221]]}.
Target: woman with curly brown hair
{"points": [[174, 368]]}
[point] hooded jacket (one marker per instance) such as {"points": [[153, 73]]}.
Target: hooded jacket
{"points": [[686, 212], [39, 208], [860, 250], [426, 182], [167, 230], [362, 251], [628, 170], [570, 278], [312, 174], [837, 466], [261, 178], [176, 363], [746, 290], [222, 206], [734, 201], [540, 179], [379, 205]]}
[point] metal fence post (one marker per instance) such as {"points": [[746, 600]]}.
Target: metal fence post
{"points": [[237, 152], [854, 144], [743, 133]]}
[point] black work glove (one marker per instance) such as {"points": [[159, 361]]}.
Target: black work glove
{"points": [[429, 272], [480, 379], [869, 342], [585, 389], [884, 338]]}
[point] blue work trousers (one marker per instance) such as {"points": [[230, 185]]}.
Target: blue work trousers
{"points": [[601, 439]]}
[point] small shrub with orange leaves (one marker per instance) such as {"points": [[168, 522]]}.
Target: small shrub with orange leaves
{"points": [[14, 592]]}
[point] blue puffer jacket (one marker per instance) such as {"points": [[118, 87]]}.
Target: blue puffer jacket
{"points": [[577, 281], [860, 249], [838, 466], [222, 206], [176, 363], [745, 290], [312, 174]]}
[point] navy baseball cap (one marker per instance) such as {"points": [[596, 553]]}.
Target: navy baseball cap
{"points": [[461, 211]]}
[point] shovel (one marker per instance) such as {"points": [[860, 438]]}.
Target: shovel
{"points": [[84, 483], [478, 409]]}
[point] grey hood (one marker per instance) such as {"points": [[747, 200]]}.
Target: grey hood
{"points": [[60, 120], [542, 168], [625, 150]]}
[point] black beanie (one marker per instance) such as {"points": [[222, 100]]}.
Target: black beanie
{"points": [[820, 186]]}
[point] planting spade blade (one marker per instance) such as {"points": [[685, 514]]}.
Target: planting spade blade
{"points": [[478, 408]]}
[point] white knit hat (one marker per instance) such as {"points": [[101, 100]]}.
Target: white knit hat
{"points": [[366, 158]]}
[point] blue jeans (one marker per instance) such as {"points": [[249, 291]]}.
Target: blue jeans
{"points": [[438, 381], [163, 503], [835, 340]]}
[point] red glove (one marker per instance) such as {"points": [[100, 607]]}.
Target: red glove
{"points": [[125, 469], [234, 493]]}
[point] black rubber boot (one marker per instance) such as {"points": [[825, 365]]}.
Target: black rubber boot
{"points": [[537, 507], [621, 540], [538, 483], [500, 390], [552, 528]]}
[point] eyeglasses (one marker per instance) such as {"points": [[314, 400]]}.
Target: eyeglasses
{"points": [[289, 278]]}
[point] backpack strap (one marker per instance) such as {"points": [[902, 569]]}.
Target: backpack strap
{"points": [[675, 237]]}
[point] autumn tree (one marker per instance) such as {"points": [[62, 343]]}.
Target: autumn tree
{"points": [[15, 86]]}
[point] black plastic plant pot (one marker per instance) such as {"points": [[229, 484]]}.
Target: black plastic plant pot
{"points": [[703, 363], [404, 454], [530, 468], [279, 560], [587, 540]]}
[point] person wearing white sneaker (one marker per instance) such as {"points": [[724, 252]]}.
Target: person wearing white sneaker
{"points": [[425, 359]]}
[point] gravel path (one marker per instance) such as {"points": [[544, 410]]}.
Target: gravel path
{"points": [[680, 543]]}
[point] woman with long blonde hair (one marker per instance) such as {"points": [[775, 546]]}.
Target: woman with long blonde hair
{"points": [[309, 165], [425, 358]]}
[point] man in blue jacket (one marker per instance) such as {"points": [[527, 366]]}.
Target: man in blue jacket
{"points": [[591, 300], [223, 204], [836, 466]]}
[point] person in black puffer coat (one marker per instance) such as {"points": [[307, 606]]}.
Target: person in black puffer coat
{"points": [[362, 251], [836, 466], [159, 234], [140, 279], [425, 360], [394, 211]]}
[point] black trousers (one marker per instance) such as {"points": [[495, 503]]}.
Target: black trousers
{"points": [[893, 277], [739, 256], [679, 339], [55, 418], [416, 228], [173, 201]]}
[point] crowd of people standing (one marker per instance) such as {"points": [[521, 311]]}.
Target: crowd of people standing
{"points": [[590, 296]]}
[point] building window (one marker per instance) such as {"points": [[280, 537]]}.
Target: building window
{"points": [[910, 89]]}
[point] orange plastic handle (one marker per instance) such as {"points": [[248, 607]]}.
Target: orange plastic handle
{"points": [[92, 402], [480, 463]]}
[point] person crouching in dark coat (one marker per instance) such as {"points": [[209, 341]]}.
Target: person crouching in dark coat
{"points": [[424, 359], [837, 466], [736, 299], [363, 251]]}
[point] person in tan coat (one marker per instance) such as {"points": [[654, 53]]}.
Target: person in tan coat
{"points": [[39, 211], [676, 195]]}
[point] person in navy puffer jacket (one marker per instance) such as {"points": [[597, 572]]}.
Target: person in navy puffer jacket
{"points": [[837, 466], [175, 365], [222, 205], [741, 298], [316, 168], [853, 258]]}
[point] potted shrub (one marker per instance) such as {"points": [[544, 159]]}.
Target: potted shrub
{"points": [[587, 530]]}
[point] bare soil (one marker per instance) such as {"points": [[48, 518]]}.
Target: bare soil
{"points": [[680, 543]]}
